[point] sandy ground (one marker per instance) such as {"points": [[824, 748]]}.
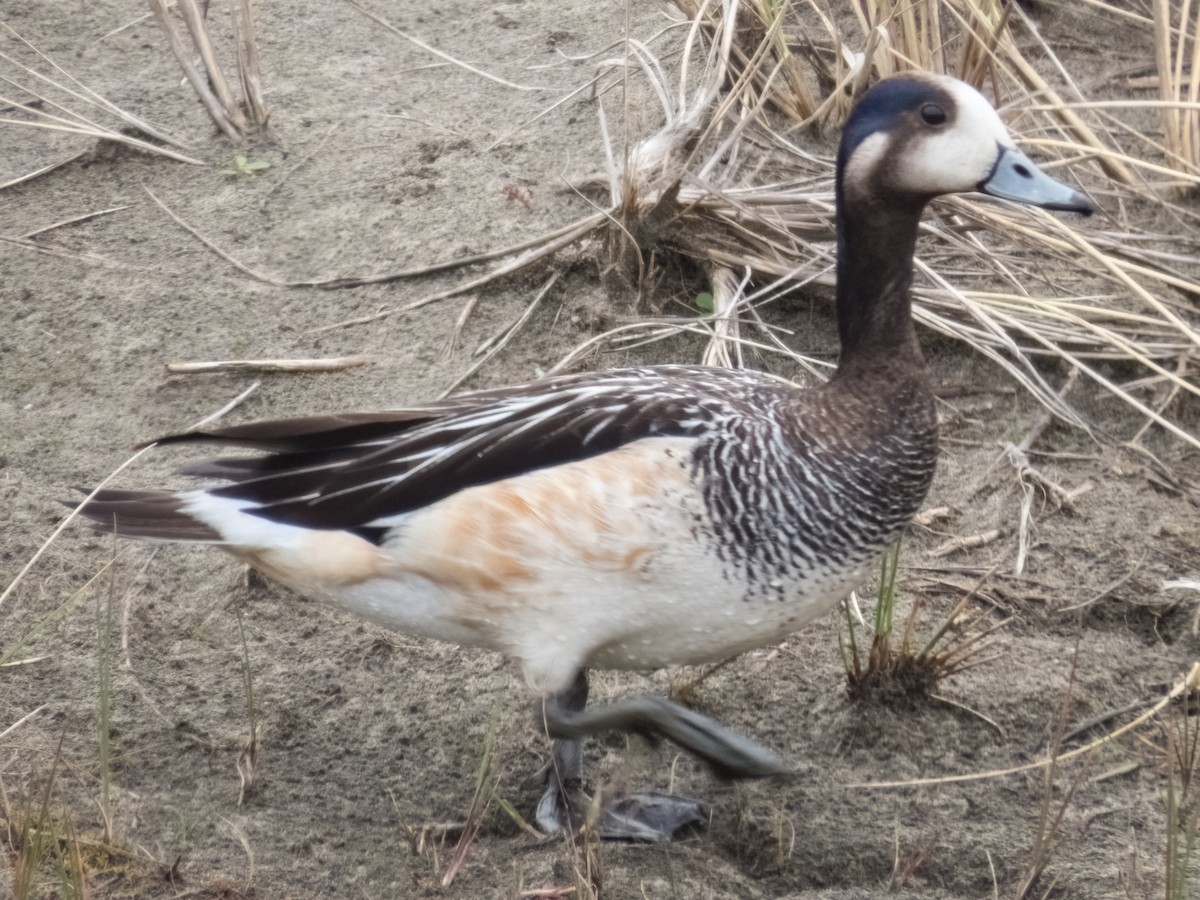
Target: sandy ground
{"points": [[383, 157]]}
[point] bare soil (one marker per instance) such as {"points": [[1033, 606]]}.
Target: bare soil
{"points": [[381, 157]]}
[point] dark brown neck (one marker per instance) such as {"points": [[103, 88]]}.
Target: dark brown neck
{"points": [[876, 241]]}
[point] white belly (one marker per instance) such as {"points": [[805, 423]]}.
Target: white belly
{"points": [[602, 563]]}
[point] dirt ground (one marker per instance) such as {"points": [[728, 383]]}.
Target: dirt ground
{"points": [[382, 156]]}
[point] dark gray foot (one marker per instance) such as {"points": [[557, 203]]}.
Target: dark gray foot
{"points": [[649, 817], [639, 817]]}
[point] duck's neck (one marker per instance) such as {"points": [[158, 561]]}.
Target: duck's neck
{"points": [[876, 241]]}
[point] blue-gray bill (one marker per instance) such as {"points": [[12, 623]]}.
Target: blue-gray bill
{"points": [[1015, 177]]}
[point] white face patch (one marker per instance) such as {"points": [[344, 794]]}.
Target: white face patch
{"points": [[929, 160], [959, 156], [865, 159]]}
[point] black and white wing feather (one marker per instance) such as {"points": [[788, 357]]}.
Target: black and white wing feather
{"points": [[357, 472]]}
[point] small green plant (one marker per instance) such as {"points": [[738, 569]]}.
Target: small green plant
{"points": [[244, 166], [1182, 801], [1048, 834], [487, 775], [45, 850], [704, 302], [906, 670], [247, 763], [104, 717]]}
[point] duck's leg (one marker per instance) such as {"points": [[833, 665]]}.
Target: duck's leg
{"points": [[646, 817], [558, 810], [652, 817]]}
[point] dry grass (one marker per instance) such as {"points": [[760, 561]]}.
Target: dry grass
{"points": [[1048, 834], [235, 115], [1180, 749], [46, 855], [1110, 301], [42, 846], [894, 670], [728, 187], [1177, 54], [37, 92]]}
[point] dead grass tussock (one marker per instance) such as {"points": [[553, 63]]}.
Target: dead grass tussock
{"points": [[892, 671], [728, 187], [236, 117], [1109, 299]]}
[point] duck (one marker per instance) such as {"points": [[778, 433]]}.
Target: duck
{"points": [[631, 518]]}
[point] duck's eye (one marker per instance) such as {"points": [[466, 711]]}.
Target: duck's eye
{"points": [[932, 114]]}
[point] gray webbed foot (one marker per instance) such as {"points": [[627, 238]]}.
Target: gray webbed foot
{"points": [[651, 817]]}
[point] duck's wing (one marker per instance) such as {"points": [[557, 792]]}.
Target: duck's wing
{"points": [[360, 472]]}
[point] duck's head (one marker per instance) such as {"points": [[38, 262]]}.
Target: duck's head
{"points": [[917, 135]]}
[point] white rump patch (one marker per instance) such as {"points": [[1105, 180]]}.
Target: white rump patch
{"points": [[241, 529]]}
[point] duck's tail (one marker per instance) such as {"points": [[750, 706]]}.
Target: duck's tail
{"points": [[147, 516]]}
